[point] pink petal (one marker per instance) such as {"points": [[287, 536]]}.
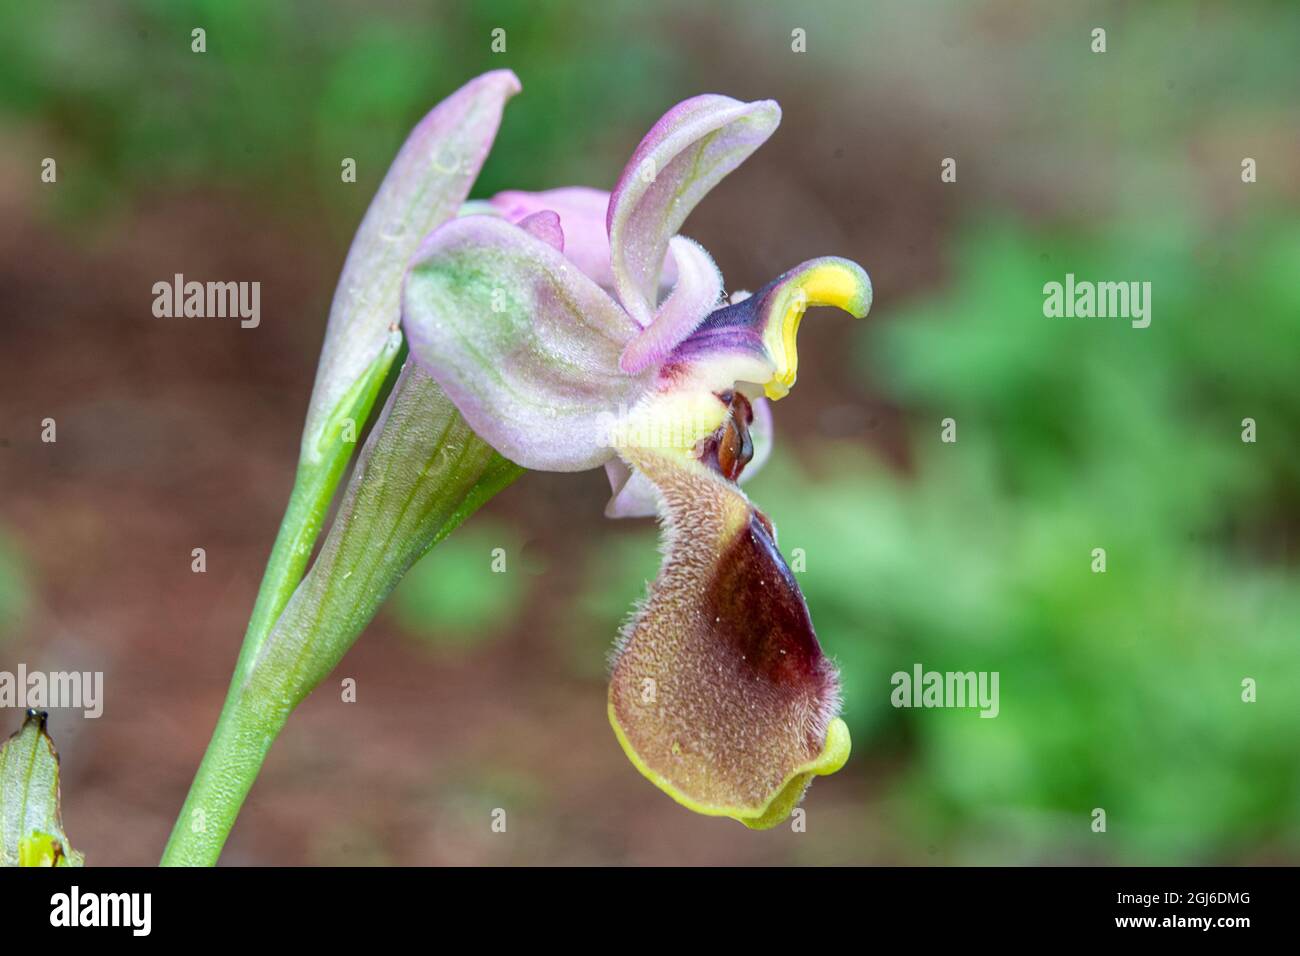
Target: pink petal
{"points": [[523, 343], [698, 289], [545, 225], [631, 493], [582, 216], [692, 147]]}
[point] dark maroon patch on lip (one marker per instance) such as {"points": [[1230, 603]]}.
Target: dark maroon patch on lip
{"points": [[760, 610]]}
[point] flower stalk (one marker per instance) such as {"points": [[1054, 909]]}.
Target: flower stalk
{"points": [[420, 474], [426, 185]]}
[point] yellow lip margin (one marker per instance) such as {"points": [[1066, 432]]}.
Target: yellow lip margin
{"points": [[827, 281], [835, 753]]}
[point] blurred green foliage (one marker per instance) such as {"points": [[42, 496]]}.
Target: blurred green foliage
{"points": [[1120, 690], [14, 588], [285, 91], [616, 573], [453, 597]]}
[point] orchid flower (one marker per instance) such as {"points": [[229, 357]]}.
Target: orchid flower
{"points": [[546, 324]]}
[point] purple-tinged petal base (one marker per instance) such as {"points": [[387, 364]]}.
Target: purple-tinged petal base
{"points": [[698, 289], [753, 340]]}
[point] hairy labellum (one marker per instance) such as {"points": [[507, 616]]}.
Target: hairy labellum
{"points": [[720, 692]]}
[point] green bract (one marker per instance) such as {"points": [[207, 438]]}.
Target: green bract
{"points": [[31, 822]]}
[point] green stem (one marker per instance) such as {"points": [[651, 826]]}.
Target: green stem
{"points": [[421, 473], [321, 465], [243, 735], [308, 504]]}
